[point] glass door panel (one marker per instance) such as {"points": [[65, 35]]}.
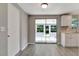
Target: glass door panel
{"points": [[39, 30], [45, 30]]}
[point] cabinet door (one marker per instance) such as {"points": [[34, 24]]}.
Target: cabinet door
{"points": [[71, 40], [68, 41], [74, 39], [63, 39], [77, 39], [66, 20]]}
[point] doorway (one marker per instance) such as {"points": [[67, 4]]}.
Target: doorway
{"points": [[45, 31]]}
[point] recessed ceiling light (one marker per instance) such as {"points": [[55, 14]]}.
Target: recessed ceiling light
{"points": [[44, 5]]}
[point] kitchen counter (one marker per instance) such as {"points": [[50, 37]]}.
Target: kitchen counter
{"points": [[69, 37]]}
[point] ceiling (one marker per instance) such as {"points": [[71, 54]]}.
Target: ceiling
{"points": [[52, 9]]}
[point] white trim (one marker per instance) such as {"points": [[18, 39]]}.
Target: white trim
{"points": [[31, 43], [24, 47]]}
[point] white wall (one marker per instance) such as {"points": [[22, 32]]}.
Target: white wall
{"points": [[24, 30], [3, 34]]}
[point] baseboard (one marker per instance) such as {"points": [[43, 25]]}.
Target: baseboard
{"points": [[19, 53], [24, 47], [45, 43], [30, 43]]}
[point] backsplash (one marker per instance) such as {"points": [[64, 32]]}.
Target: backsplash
{"points": [[69, 29]]}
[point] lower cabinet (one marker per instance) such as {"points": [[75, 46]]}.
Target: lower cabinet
{"points": [[70, 39]]}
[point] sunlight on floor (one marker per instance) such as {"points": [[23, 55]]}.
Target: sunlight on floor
{"points": [[49, 39]]}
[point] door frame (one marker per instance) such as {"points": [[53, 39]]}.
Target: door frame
{"points": [[44, 30]]}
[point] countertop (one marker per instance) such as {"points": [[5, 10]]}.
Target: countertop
{"points": [[69, 30]]}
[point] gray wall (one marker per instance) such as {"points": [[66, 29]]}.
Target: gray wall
{"points": [[3, 34], [24, 29], [31, 27]]}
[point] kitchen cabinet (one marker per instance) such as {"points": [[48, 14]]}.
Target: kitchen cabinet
{"points": [[70, 39], [66, 20]]}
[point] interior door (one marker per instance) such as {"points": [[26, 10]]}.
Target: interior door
{"points": [[13, 30]]}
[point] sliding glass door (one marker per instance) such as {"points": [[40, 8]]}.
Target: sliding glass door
{"points": [[45, 30]]}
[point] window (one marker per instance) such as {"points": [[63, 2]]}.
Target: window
{"points": [[40, 28], [47, 29], [53, 28], [75, 23]]}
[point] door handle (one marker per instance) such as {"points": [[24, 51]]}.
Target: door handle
{"points": [[8, 35]]}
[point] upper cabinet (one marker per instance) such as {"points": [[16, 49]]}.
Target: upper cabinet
{"points": [[66, 20]]}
